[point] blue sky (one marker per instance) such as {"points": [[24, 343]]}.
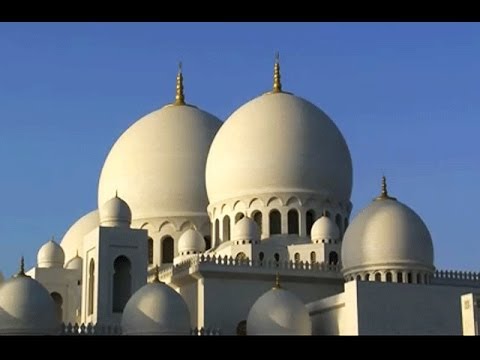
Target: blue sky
{"points": [[405, 96]]}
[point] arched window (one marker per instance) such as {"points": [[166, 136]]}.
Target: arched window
{"points": [[309, 220], [226, 228], [345, 226], [399, 277], [57, 298], [367, 277], [313, 257], [389, 277], [257, 217], [292, 221], [241, 256], [91, 286], [419, 278], [378, 277], [275, 222], [359, 277], [150, 250], [167, 250], [409, 278], [208, 242], [261, 255], [217, 231], [296, 257], [276, 257], [242, 328], [122, 283], [239, 216], [333, 258], [338, 221]]}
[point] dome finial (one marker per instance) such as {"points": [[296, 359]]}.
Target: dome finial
{"points": [[277, 85], [157, 275], [277, 281], [22, 268], [384, 194], [179, 96], [116, 193]]}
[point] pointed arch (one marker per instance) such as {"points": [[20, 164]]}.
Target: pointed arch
{"points": [[293, 225], [167, 250], [164, 225], [122, 283], [187, 225], [226, 228], [150, 251], [257, 217], [58, 300], [256, 203], [338, 221], [293, 201], [274, 202], [309, 220], [91, 286], [275, 222]]}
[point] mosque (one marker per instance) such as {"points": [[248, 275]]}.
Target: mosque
{"points": [[239, 227]]}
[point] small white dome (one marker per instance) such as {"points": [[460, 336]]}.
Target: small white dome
{"points": [[323, 229], [387, 234], [50, 255], [246, 229], [72, 242], [75, 264], [115, 212], [279, 312], [191, 240], [26, 308], [156, 309]]}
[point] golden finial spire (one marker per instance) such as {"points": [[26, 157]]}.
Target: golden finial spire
{"points": [[277, 281], [384, 193], [22, 268], [157, 275], [277, 84], [116, 193], [179, 96]]}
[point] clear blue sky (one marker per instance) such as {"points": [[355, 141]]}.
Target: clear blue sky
{"points": [[405, 96]]}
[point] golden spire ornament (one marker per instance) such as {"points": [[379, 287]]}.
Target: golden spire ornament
{"points": [[22, 268], [277, 281], [156, 279], [277, 84], [384, 193], [179, 95]]}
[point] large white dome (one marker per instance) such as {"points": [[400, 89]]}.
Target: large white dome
{"points": [[278, 143], [26, 308], [158, 164], [279, 312], [72, 242], [156, 309], [387, 234]]}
